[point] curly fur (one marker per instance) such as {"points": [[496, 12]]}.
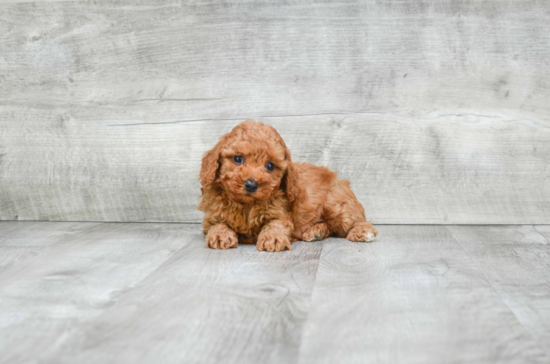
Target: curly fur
{"points": [[295, 201]]}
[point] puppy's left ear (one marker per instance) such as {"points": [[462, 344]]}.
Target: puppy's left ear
{"points": [[290, 179], [210, 164]]}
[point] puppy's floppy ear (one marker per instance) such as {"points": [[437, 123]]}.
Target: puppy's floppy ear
{"points": [[290, 179], [210, 164]]}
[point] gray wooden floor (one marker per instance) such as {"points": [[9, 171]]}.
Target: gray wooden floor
{"points": [[132, 293]]}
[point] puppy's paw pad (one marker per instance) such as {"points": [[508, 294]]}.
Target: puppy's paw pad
{"points": [[273, 243]]}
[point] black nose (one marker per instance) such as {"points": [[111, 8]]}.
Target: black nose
{"points": [[250, 185]]}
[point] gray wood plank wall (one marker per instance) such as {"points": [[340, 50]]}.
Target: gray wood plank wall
{"points": [[436, 111]]}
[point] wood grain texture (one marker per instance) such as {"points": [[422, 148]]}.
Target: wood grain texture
{"points": [[437, 111], [413, 297], [139, 293], [438, 169], [207, 306], [544, 230], [37, 234], [516, 261], [48, 289], [86, 299]]}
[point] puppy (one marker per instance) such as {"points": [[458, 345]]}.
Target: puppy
{"points": [[253, 193]]}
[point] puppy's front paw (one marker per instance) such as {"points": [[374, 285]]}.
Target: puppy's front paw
{"points": [[221, 237], [362, 232], [273, 242]]}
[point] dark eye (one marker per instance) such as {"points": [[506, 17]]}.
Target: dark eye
{"points": [[238, 159], [269, 166]]}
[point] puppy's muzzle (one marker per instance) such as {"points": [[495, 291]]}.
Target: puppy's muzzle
{"points": [[250, 186]]}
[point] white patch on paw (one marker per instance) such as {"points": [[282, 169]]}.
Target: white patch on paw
{"points": [[369, 236]]}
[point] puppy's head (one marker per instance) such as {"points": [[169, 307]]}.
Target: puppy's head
{"points": [[251, 163]]}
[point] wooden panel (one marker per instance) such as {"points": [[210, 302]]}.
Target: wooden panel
{"points": [[436, 169], [516, 261], [49, 288], [436, 111], [416, 297], [237, 59], [127, 293], [200, 305], [544, 230], [19, 241], [19, 234]]}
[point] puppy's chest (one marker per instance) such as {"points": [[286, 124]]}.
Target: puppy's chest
{"points": [[248, 220]]}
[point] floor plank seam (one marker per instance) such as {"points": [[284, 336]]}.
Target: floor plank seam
{"points": [[526, 329], [478, 268], [538, 231], [131, 291], [168, 260], [306, 320]]}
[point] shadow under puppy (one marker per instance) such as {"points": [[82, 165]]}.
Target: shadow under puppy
{"points": [[253, 193]]}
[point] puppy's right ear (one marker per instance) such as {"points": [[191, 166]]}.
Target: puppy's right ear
{"points": [[210, 165]]}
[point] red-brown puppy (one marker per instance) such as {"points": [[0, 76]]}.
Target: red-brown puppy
{"points": [[253, 193]]}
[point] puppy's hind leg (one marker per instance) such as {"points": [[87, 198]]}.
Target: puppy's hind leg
{"points": [[346, 216]]}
